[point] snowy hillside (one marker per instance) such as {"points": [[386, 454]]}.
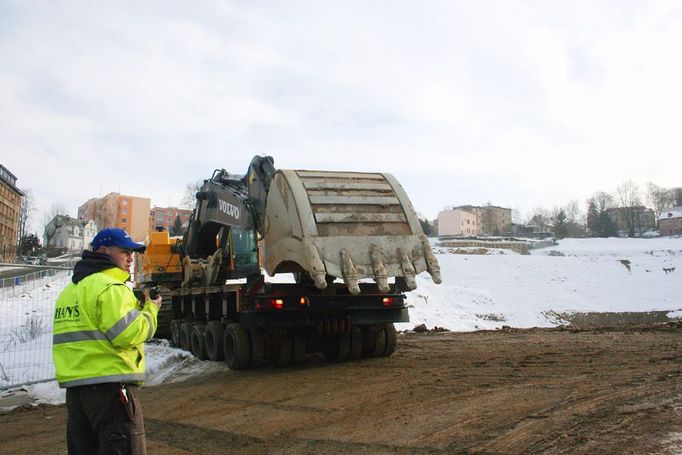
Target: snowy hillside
{"points": [[577, 275]]}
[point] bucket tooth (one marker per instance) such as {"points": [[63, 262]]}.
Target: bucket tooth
{"points": [[317, 270], [350, 274], [408, 270], [431, 263], [380, 274]]}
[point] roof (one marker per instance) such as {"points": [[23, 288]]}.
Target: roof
{"points": [[10, 179], [675, 212]]}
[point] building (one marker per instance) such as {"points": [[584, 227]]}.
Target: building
{"points": [[457, 222], [69, 234], [164, 217], [670, 221], [10, 207], [116, 210], [490, 219], [643, 219]]}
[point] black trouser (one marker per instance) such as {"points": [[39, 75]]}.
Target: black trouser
{"points": [[98, 422]]}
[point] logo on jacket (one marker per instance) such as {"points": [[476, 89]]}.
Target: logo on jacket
{"points": [[67, 313]]}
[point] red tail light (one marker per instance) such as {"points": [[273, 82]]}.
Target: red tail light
{"points": [[387, 301]]}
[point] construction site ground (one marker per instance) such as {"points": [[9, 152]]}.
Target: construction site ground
{"points": [[598, 391]]}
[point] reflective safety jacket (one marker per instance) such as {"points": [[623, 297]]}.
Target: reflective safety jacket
{"points": [[100, 328]]}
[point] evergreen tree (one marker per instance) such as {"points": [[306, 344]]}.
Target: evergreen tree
{"points": [[177, 229], [28, 243], [560, 224], [426, 226]]}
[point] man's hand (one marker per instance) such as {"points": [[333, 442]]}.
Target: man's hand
{"points": [[156, 301]]}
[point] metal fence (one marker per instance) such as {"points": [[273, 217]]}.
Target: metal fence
{"points": [[26, 306]]}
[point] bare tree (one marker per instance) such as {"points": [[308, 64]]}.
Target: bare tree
{"points": [[659, 198], [628, 198], [189, 197], [25, 210]]}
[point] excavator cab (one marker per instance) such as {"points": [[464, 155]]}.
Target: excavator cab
{"points": [[244, 253]]}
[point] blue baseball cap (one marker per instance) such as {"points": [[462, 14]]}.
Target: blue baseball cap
{"points": [[116, 237]]}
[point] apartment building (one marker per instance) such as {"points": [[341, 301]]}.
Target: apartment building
{"points": [[164, 217], [490, 219], [117, 210], [10, 205], [457, 222]]}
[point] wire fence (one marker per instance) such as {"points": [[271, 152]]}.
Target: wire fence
{"points": [[27, 305]]}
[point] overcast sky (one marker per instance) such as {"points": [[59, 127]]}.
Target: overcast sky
{"points": [[521, 104]]}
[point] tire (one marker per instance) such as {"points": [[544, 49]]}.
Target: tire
{"points": [[380, 346], [355, 343], [369, 341], [198, 342], [213, 339], [257, 339], [175, 332], [298, 348], [236, 347], [337, 348], [391, 339], [285, 350], [186, 336]]}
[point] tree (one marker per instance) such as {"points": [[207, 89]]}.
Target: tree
{"points": [[426, 226], [627, 194], [676, 197], [659, 198], [28, 244], [25, 211], [560, 224], [177, 228], [599, 221], [189, 197]]}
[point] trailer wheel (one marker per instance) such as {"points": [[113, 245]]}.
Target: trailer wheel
{"points": [[257, 347], [186, 336], [175, 331], [298, 348], [236, 347], [355, 343], [337, 348], [391, 339], [213, 338], [369, 340], [198, 343], [380, 346], [285, 351]]}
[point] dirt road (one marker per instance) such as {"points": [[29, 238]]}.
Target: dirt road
{"points": [[504, 392]]}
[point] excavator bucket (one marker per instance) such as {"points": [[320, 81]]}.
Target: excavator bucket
{"points": [[350, 225]]}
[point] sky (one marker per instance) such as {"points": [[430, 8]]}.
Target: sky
{"points": [[521, 104]]}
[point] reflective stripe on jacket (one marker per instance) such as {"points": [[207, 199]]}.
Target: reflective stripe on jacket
{"points": [[99, 331]]}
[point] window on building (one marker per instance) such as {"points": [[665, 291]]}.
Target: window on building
{"points": [[124, 202], [124, 211], [124, 220]]}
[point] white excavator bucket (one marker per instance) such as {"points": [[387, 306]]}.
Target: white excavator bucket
{"points": [[350, 225]]}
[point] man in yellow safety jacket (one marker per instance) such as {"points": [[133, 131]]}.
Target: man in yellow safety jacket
{"points": [[98, 348]]}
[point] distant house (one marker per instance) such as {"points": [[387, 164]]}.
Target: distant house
{"points": [[457, 222], [670, 221], [643, 219], [70, 234]]}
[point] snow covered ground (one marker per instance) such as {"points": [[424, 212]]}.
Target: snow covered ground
{"points": [[484, 292]]}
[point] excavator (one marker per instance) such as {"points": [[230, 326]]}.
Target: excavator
{"points": [[278, 263]]}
